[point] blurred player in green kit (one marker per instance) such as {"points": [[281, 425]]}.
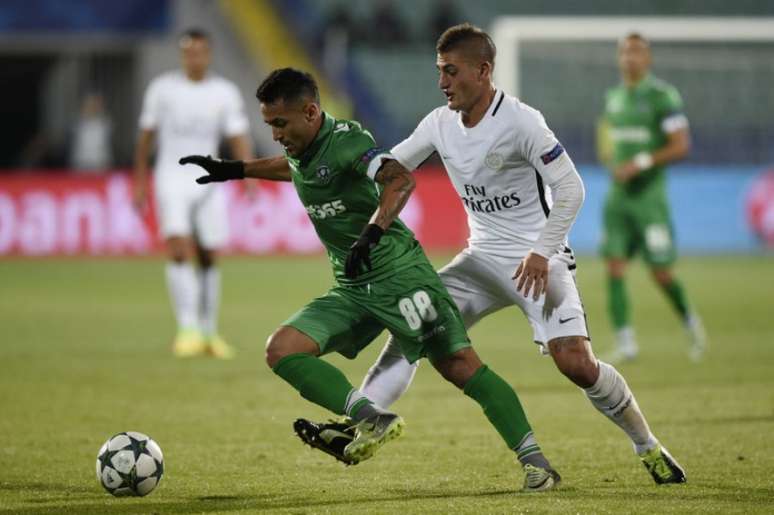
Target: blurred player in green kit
{"points": [[647, 130], [353, 191]]}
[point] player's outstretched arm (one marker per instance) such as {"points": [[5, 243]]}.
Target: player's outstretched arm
{"points": [[220, 170], [275, 168]]}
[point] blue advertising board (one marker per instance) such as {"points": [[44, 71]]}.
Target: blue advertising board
{"points": [[709, 206]]}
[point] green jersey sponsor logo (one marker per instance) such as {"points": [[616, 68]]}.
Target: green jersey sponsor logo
{"points": [[332, 183], [637, 135], [323, 211]]}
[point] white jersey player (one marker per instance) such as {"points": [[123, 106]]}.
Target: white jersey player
{"points": [[502, 158], [189, 111]]}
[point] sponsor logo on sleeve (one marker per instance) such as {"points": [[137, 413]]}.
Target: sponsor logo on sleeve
{"points": [[370, 154], [552, 154]]}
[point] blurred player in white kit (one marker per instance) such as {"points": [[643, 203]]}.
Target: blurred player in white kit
{"points": [[188, 111]]}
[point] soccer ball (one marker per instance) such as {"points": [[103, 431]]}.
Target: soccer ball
{"points": [[130, 463]]}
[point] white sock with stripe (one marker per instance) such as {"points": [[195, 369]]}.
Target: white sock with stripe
{"points": [[611, 396]]}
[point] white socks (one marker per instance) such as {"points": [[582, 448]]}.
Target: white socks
{"points": [[195, 297], [184, 292], [626, 342], [611, 395], [209, 281], [389, 377]]}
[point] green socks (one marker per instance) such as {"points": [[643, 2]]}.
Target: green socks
{"points": [[320, 382], [676, 295], [503, 409], [618, 302]]}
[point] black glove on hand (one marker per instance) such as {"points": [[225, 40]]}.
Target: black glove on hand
{"points": [[360, 251], [219, 170]]}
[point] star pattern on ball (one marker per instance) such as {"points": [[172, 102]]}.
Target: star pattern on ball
{"points": [[137, 446], [133, 446]]}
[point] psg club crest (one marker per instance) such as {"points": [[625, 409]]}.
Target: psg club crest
{"points": [[494, 161], [323, 174]]}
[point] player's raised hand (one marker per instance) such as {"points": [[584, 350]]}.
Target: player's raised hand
{"points": [[218, 170], [360, 251], [532, 274]]}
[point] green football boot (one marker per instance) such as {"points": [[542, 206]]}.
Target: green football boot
{"points": [[371, 434], [662, 466]]}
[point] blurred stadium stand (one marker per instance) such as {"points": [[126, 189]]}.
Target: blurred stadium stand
{"points": [[53, 55], [403, 76]]}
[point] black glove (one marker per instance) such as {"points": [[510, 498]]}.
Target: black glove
{"points": [[360, 251], [219, 170]]}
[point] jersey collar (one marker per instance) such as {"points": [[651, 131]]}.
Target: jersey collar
{"points": [[643, 84], [494, 107], [325, 130]]}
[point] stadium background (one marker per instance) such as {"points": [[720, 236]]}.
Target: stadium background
{"points": [[85, 325]]}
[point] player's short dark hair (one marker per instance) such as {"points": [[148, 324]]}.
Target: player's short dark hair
{"points": [[195, 33], [287, 84], [638, 36], [471, 39]]}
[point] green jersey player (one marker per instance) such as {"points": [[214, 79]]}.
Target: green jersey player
{"points": [[647, 130], [353, 192]]}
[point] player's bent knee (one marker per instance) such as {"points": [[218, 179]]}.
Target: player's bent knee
{"points": [[616, 268], [277, 347], [179, 249], [206, 258], [177, 256], [663, 276], [459, 367], [574, 358], [286, 341]]}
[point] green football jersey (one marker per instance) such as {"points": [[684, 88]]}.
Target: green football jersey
{"points": [[339, 197], [638, 120]]}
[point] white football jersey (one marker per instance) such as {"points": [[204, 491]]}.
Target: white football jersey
{"points": [[190, 117], [497, 167]]}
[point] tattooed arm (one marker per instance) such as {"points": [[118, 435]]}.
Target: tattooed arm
{"points": [[397, 185]]}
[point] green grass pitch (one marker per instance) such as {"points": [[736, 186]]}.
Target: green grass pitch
{"points": [[85, 354]]}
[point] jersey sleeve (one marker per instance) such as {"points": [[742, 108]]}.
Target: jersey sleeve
{"points": [[537, 144], [235, 121], [151, 106], [412, 151], [670, 111], [360, 154]]}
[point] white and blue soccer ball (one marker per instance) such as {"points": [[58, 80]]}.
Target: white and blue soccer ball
{"points": [[130, 464]]}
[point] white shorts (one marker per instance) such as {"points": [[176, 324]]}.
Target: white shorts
{"points": [[481, 284], [185, 208]]}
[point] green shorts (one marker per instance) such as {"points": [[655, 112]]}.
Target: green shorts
{"points": [[632, 226], [412, 305]]}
